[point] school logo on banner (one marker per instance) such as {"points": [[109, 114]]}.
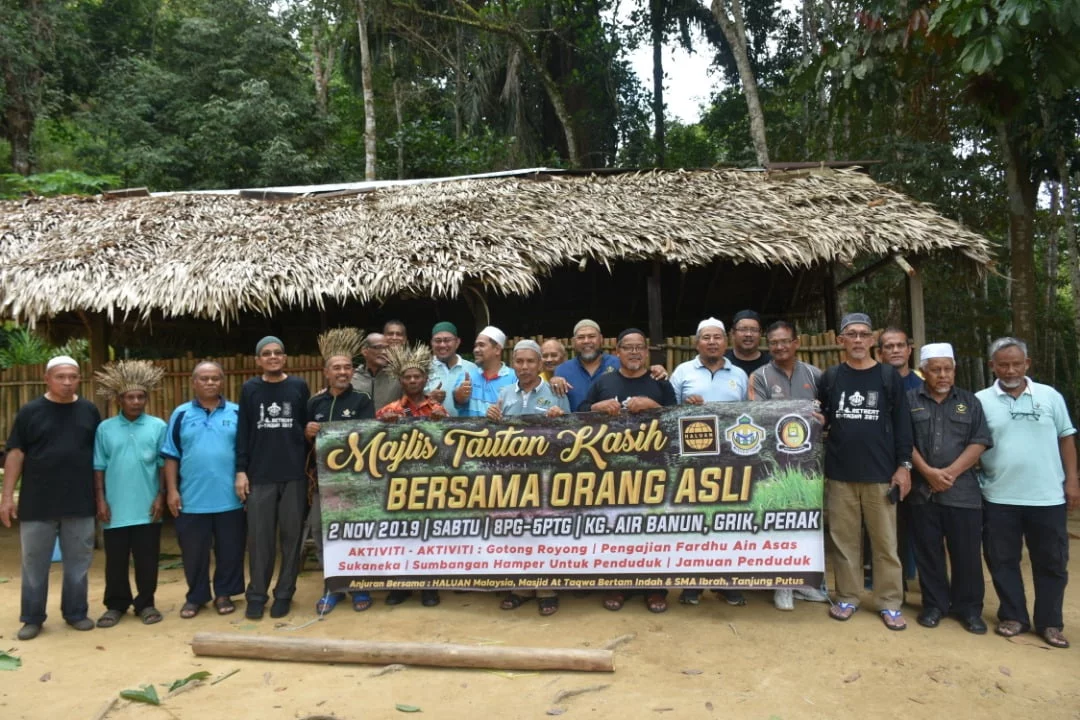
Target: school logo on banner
{"points": [[793, 434], [699, 435], [745, 437]]}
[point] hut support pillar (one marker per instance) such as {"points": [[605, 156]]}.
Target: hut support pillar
{"points": [[656, 315], [97, 329], [917, 310]]}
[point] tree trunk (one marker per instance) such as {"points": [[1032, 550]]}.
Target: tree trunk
{"points": [[369, 92], [398, 115], [322, 65], [734, 29], [1021, 204], [1050, 297], [656, 20], [18, 129]]}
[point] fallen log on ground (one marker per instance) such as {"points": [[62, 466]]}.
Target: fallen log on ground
{"points": [[258, 647]]}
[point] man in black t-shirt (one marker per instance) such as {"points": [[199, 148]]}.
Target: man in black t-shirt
{"points": [[867, 453], [745, 351], [52, 447], [631, 389], [270, 460]]}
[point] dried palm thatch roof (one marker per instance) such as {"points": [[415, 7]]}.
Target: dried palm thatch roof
{"points": [[216, 256]]}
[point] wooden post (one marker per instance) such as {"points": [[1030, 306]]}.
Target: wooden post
{"points": [[261, 647], [98, 329], [656, 315], [918, 312], [829, 292]]}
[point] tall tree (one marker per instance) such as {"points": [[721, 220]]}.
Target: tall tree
{"points": [[729, 14], [369, 90], [27, 47]]}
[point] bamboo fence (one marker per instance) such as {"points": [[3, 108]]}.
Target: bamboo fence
{"points": [[19, 385]]}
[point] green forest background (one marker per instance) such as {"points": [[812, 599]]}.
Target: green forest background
{"points": [[969, 104]]}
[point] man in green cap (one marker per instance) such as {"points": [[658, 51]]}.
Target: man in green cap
{"points": [[449, 368]]}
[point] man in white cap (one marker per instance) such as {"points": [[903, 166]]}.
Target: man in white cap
{"points": [[710, 377], [51, 447], [530, 395], [1029, 484], [945, 502], [480, 388]]}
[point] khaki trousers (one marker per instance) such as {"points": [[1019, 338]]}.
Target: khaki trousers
{"points": [[850, 504]]}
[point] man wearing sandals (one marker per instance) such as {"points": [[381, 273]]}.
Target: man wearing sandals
{"points": [[1029, 483], [129, 484], [867, 455], [51, 447], [630, 389], [530, 395], [945, 504], [200, 466]]}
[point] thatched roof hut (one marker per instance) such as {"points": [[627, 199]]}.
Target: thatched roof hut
{"points": [[218, 256]]}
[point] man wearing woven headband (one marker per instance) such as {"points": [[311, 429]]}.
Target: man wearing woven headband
{"points": [[271, 454], [945, 503], [411, 367], [530, 395], [480, 389], [129, 482], [51, 447], [339, 402], [449, 369]]}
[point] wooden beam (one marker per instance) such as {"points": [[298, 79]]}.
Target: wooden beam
{"points": [[261, 647], [656, 315], [829, 291], [125, 193], [97, 330], [865, 272]]}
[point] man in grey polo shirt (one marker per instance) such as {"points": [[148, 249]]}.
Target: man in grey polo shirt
{"points": [[1029, 482], [785, 377], [945, 503]]}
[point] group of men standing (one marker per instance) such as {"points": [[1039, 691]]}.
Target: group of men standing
{"points": [[240, 475]]}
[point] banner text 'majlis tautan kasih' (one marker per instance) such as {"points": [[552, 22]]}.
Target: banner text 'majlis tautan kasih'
{"points": [[720, 495]]}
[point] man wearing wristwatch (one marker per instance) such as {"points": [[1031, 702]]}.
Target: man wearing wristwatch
{"points": [[867, 454]]}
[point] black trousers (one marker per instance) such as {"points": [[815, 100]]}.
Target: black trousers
{"points": [[222, 532], [947, 537], [275, 511], [1043, 529], [142, 544]]}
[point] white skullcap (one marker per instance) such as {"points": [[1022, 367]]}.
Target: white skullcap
{"points": [[527, 344], [710, 322], [935, 350], [494, 334], [60, 360]]}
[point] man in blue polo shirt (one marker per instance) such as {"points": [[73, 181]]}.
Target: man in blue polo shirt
{"points": [[575, 376], [130, 487], [1029, 483], [200, 470], [480, 389], [449, 369]]}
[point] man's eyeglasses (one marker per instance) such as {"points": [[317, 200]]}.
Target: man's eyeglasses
{"points": [[634, 348], [1032, 414], [858, 335]]}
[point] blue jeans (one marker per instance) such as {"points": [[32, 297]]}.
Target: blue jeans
{"points": [[38, 537]]}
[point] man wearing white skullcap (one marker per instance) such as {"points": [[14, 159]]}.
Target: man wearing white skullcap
{"points": [[51, 447], [950, 433], [710, 377], [480, 388]]}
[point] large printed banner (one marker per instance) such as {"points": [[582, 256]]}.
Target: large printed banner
{"points": [[723, 495]]}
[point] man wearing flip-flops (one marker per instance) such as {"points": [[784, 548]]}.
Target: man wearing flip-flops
{"points": [[868, 470], [129, 484], [1029, 484]]}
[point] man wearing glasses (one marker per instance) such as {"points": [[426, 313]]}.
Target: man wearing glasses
{"points": [[867, 454], [371, 378], [1029, 482], [746, 352], [785, 377], [894, 347], [449, 369], [271, 454]]}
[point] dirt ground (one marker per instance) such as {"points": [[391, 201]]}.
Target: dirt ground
{"points": [[692, 662]]}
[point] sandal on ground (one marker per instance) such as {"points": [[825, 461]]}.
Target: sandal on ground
{"points": [[548, 605], [1054, 638], [224, 605], [656, 602], [1009, 628], [150, 615], [893, 620], [327, 603], [690, 597], [189, 610], [842, 611], [109, 618], [361, 601], [614, 601], [513, 601]]}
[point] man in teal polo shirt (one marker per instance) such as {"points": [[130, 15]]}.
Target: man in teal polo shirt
{"points": [[1029, 482], [200, 472], [129, 485], [449, 369]]}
